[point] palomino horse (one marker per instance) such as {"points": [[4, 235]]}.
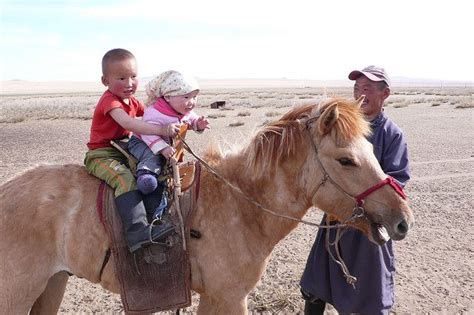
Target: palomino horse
{"points": [[315, 155]]}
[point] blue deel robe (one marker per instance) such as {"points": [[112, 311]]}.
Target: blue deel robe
{"points": [[373, 265]]}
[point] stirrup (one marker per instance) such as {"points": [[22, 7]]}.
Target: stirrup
{"points": [[166, 233]]}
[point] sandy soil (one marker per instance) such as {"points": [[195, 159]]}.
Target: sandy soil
{"points": [[435, 263]]}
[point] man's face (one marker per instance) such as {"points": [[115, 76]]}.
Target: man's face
{"points": [[121, 78], [374, 96]]}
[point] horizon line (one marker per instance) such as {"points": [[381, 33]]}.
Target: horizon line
{"points": [[394, 79]]}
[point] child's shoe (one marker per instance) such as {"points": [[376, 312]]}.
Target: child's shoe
{"points": [[147, 183]]}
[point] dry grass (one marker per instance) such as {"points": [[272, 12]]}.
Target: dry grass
{"points": [[18, 108], [236, 124], [244, 114], [80, 105], [465, 105], [465, 102], [439, 144], [215, 116]]}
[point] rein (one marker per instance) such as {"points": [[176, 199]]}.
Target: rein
{"points": [[252, 201], [357, 212]]}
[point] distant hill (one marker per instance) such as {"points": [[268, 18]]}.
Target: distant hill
{"points": [[406, 82], [301, 83], [32, 87]]}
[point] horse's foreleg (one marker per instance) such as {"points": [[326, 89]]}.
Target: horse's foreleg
{"points": [[234, 305], [50, 300]]}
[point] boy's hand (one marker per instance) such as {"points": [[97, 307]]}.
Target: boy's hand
{"points": [[168, 152], [171, 129], [202, 123]]}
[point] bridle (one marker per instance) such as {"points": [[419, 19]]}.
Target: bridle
{"points": [[359, 200], [357, 212]]}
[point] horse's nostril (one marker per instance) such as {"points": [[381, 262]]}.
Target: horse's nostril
{"points": [[402, 227]]}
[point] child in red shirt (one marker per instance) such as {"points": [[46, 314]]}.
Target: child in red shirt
{"points": [[114, 118]]}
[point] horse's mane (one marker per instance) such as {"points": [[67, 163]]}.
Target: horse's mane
{"points": [[279, 140]]}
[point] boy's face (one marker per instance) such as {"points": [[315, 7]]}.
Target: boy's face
{"points": [[121, 78], [183, 104]]}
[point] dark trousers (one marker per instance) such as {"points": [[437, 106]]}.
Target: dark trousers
{"points": [[313, 305], [147, 160]]}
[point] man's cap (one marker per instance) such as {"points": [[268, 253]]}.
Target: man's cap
{"points": [[373, 73]]}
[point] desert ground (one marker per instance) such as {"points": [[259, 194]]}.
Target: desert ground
{"points": [[435, 263]]}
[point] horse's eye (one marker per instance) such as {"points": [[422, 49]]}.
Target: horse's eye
{"points": [[346, 162]]}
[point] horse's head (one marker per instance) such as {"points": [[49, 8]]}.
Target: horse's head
{"points": [[349, 180], [324, 152]]}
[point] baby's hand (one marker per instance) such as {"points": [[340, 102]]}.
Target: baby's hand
{"points": [[168, 152], [202, 123], [171, 129]]}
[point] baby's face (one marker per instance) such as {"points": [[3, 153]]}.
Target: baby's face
{"points": [[121, 78], [183, 104]]}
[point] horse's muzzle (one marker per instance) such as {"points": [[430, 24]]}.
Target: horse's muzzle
{"points": [[380, 234]]}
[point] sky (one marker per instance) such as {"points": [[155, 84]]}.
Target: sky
{"points": [[293, 39]]}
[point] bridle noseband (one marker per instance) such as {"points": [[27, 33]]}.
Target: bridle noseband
{"points": [[359, 200], [387, 181]]}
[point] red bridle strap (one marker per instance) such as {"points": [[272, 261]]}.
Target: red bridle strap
{"points": [[387, 181]]}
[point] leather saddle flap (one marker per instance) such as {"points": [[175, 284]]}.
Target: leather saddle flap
{"points": [[158, 277]]}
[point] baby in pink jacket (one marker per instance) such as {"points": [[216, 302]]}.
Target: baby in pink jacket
{"points": [[172, 97]]}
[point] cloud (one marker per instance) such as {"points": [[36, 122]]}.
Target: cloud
{"points": [[243, 12], [25, 38], [260, 39]]}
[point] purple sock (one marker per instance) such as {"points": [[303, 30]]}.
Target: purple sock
{"points": [[147, 183]]}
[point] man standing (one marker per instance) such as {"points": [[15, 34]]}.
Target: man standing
{"points": [[373, 265]]}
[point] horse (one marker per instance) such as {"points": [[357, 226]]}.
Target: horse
{"points": [[315, 155]]}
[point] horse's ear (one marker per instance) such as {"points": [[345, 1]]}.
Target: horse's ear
{"points": [[328, 118], [358, 102]]}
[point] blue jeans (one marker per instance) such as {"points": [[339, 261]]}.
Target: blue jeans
{"points": [[147, 160]]}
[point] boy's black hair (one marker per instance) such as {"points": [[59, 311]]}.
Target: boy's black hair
{"points": [[116, 54]]}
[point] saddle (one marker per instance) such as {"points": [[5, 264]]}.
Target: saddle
{"points": [[155, 278], [177, 143]]}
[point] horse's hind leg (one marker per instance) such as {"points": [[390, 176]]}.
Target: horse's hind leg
{"points": [[211, 306], [50, 300]]}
